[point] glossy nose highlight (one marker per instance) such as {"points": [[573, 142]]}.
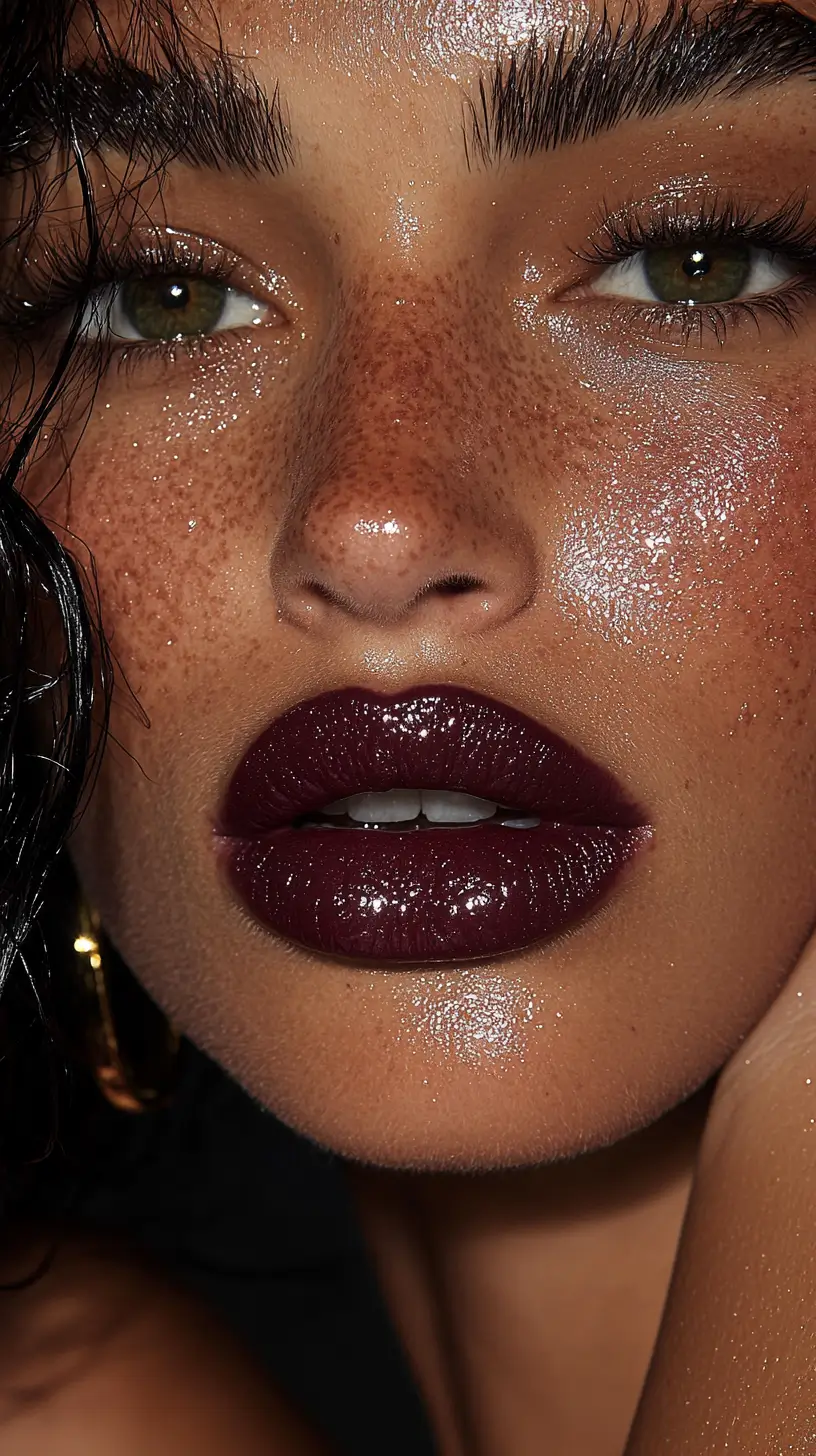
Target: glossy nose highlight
{"points": [[432, 558]]}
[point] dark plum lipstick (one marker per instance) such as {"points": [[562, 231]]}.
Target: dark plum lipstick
{"points": [[431, 825]]}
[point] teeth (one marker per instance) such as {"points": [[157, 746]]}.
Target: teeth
{"points": [[397, 807], [531, 821], [402, 806], [441, 807]]}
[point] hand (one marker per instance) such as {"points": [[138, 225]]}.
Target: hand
{"points": [[735, 1363]]}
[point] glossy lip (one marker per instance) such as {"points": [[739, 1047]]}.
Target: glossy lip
{"points": [[423, 896]]}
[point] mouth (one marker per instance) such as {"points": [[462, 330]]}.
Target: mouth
{"points": [[435, 825]]}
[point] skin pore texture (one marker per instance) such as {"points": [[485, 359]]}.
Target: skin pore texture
{"points": [[436, 387]]}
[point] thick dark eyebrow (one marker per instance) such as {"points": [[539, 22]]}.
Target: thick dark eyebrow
{"points": [[204, 113], [543, 96]]}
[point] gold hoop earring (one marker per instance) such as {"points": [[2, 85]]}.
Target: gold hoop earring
{"points": [[138, 1075]]}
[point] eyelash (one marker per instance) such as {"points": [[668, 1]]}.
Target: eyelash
{"points": [[65, 282], [722, 220]]}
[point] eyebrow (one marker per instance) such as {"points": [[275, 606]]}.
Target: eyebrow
{"points": [[205, 113], [542, 96]]}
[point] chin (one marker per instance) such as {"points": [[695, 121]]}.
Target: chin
{"points": [[498, 1065]]}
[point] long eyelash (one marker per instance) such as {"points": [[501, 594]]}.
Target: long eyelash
{"points": [[62, 279], [722, 219]]}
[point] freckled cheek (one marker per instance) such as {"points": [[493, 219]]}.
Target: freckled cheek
{"points": [[693, 528], [169, 571], [169, 575], [177, 506]]}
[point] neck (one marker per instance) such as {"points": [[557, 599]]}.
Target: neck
{"points": [[530, 1301]]}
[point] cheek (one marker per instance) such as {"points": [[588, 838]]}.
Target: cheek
{"points": [[166, 493], [692, 538], [685, 567]]}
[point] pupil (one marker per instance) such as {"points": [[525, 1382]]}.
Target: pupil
{"points": [[176, 295], [697, 264]]}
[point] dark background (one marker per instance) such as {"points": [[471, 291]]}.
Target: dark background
{"points": [[259, 1223]]}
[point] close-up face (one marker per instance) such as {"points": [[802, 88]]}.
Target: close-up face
{"points": [[456, 437]]}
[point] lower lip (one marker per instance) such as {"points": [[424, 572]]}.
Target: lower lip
{"points": [[427, 895]]}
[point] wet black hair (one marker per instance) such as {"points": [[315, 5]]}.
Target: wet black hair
{"points": [[56, 673], [56, 668]]}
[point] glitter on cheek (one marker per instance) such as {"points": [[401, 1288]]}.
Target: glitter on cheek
{"points": [[662, 538], [688, 512]]}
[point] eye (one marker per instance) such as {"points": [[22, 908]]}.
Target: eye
{"points": [[164, 308], [695, 273]]}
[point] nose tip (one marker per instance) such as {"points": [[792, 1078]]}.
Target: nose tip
{"points": [[401, 565]]}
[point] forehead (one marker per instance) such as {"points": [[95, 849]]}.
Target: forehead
{"points": [[426, 36]]}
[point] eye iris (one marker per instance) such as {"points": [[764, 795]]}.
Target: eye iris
{"points": [[169, 308], [698, 274]]}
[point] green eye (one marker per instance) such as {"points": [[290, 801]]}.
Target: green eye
{"points": [[160, 309], [716, 273], [165, 308]]}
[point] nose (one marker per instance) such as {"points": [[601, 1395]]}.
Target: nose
{"points": [[401, 511], [401, 551]]}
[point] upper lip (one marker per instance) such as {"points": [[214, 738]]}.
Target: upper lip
{"points": [[429, 737]]}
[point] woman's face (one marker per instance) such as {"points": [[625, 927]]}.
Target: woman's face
{"points": [[448, 439]]}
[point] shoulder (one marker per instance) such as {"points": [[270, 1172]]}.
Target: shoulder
{"points": [[100, 1354]]}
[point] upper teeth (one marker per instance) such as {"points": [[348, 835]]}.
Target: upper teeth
{"points": [[404, 805]]}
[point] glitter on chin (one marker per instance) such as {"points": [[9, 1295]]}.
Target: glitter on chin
{"points": [[472, 1017]]}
